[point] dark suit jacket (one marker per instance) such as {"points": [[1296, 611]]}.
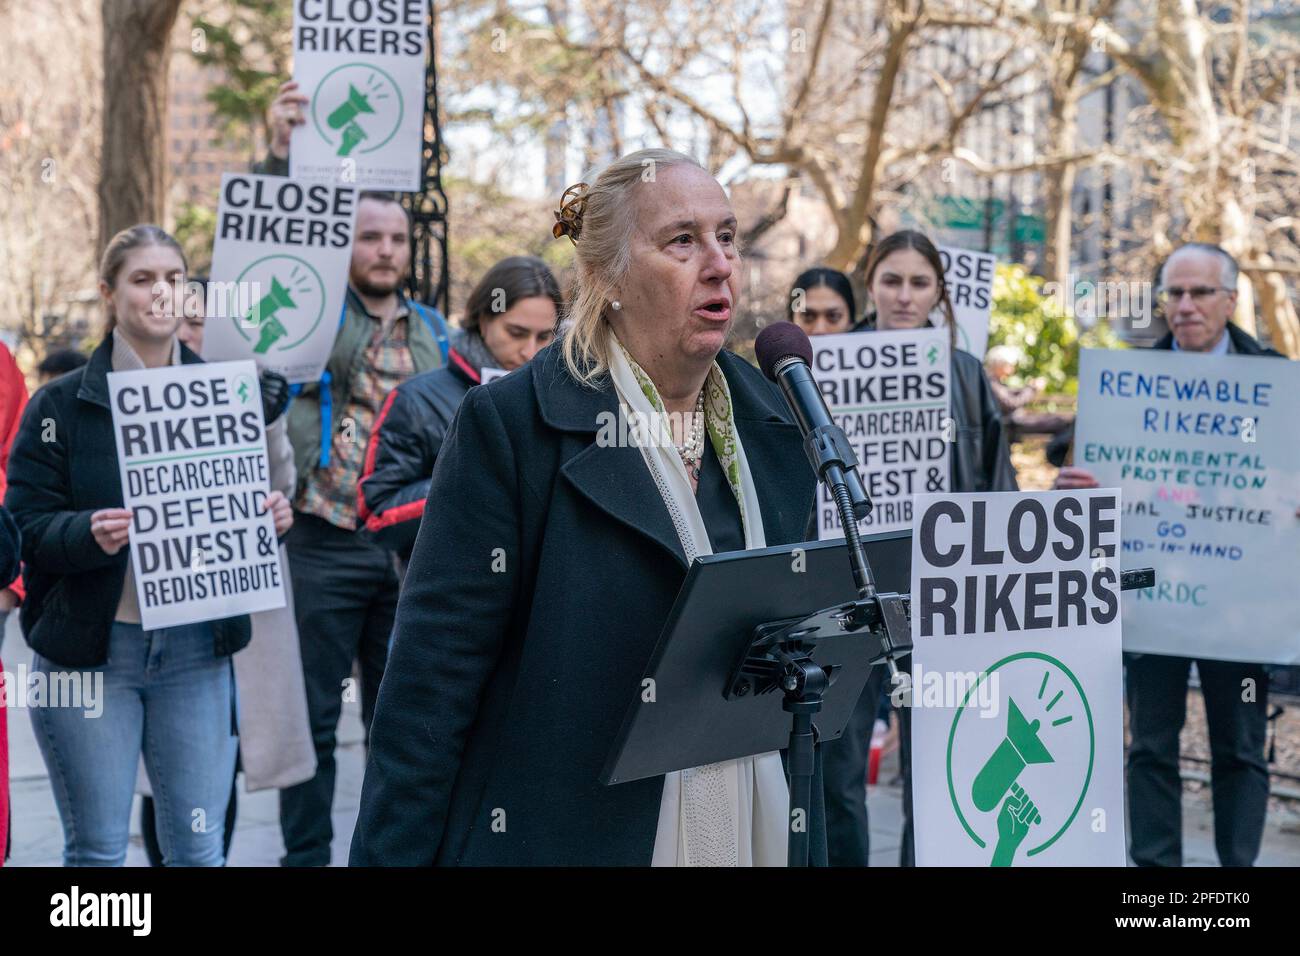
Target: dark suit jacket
{"points": [[542, 575]]}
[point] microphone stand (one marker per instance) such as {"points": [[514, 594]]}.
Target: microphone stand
{"points": [[780, 655]]}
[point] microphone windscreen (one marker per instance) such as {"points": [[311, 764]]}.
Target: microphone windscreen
{"points": [[781, 340]]}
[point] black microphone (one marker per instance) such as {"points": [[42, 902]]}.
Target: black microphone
{"points": [[785, 354]]}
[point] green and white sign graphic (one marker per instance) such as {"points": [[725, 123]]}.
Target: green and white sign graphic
{"points": [[191, 448], [362, 68], [279, 273], [1015, 603], [889, 391], [969, 278]]}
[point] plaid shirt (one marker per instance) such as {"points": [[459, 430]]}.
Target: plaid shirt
{"points": [[331, 493]]}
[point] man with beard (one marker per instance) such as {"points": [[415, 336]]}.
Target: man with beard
{"points": [[344, 585]]}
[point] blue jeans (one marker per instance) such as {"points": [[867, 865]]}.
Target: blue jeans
{"points": [[164, 692]]}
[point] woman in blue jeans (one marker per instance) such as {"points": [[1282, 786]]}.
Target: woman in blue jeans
{"points": [[166, 693]]}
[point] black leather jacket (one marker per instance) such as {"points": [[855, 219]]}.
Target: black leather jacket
{"points": [[404, 444], [981, 460]]}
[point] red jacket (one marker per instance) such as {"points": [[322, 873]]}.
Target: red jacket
{"points": [[13, 399]]}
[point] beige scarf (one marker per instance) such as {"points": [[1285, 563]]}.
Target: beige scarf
{"points": [[734, 813]]}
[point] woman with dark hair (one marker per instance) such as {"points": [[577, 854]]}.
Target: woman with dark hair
{"points": [[905, 283], [167, 693], [512, 313], [822, 302]]}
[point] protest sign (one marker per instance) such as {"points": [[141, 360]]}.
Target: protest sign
{"points": [[1017, 718], [361, 65], [1207, 450], [889, 391], [969, 278], [191, 448], [280, 264]]}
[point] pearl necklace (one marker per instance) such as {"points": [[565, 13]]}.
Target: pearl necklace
{"points": [[692, 451]]}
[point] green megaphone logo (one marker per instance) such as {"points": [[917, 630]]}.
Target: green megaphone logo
{"points": [[344, 117], [263, 314], [1019, 748]]}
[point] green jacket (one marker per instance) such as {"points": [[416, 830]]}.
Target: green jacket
{"points": [[311, 420]]}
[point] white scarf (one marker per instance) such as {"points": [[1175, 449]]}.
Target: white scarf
{"points": [[734, 813]]}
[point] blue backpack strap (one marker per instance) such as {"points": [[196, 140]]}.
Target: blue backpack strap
{"points": [[326, 414], [327, 402], [437, 325]]}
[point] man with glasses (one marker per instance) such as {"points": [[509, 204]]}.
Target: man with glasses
{"points": [[1198, 292]]}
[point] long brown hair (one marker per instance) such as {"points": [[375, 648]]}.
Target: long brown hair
{"points": [[122, 245], [512, 279], [918, 242]]}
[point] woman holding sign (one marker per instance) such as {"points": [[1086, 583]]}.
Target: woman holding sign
{"points": [[167, 693], [535, 597], [905, 282]]}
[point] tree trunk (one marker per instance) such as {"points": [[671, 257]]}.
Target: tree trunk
{"points": [[1278, 310], [1058, 184], [855, 222], [133, 161], [1177, 78]]}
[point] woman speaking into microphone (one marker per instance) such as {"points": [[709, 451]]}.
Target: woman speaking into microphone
{"points": [[549, 557]]}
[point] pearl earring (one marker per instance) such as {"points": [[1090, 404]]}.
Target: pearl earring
{"points": [[616, 305]]}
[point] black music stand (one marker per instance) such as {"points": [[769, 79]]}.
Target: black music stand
{"points": [[722, 685]]}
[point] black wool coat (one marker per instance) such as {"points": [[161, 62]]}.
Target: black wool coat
{"points": [[63, 468], [541, 578]]}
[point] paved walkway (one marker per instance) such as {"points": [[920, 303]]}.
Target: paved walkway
{"points": [[38, 836]]}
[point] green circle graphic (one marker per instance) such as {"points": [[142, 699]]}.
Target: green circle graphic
{"points": [[401, 110], [1092, 748], [319, 312]]}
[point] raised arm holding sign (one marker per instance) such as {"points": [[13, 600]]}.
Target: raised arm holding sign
{"points": [[361, 68]]}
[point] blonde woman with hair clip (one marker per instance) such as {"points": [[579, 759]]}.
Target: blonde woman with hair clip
{"points": [[539, 586]]}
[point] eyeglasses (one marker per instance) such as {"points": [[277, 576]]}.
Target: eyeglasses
{"points": [[1199, 293]]}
